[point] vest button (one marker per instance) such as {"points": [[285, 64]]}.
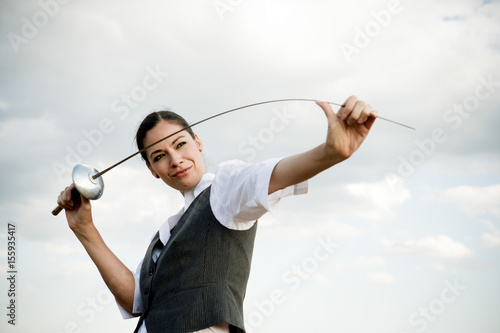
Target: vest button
{"points": [[151, 271], [146, 291]]}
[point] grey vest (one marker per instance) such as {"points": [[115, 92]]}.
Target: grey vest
{"points": [[200, 277]]}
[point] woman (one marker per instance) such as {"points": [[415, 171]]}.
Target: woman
{"points": [[194, 274]]}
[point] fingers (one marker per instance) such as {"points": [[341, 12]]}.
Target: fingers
{"points": [[357, 111], [353, 111], [346, 110], [65, 198], [371, 120]]}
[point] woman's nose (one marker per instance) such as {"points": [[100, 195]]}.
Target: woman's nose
{"points": [[175, 160]]}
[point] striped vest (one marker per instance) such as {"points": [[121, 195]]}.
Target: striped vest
{"points": [[200, 277]]}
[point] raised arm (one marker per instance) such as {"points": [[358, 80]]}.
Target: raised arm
{"points": [[115, 274], [346, 132]]}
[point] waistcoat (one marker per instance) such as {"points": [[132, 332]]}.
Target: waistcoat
{"points": [[200, 277]]}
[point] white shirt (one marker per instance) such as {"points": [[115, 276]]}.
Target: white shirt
{"points": [[238, 197]]}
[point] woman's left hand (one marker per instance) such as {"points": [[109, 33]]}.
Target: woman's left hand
{"points": [[347, 128]]}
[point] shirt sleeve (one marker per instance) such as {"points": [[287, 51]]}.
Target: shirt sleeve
{"points": [[239, 194], [138, 306]]}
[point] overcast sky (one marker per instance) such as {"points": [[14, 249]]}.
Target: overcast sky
{"points": [[402, 237]]}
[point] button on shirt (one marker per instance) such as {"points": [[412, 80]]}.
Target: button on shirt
{"points": [[238, 197]]}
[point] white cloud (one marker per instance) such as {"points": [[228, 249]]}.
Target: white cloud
{"points": [[4, 106], [318, 277], [298, 225], [477, 165], [431, 246], [474, 200], [363, 262], [62, 249], [490, 240], [378, 199], [373, 261], [380, 277], [19, 134], [72, 268], [438, 267]]}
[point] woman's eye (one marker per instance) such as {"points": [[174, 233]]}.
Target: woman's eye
{"points": [[180, 144], [158, 157]]}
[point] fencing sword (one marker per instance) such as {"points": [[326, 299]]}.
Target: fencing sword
{"points": [[88, 181]]}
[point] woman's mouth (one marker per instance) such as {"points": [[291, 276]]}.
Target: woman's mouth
{"points": [[181, 173]]}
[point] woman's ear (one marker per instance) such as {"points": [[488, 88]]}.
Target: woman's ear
{"points": [[152, 171], [199, 143]]}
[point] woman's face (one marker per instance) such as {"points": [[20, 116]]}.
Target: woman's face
{"points": [[176, 160]]}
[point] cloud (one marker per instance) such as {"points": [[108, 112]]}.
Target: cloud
{"points": [[378, 199], [490, 240], [431, 246], [62, 249], [73, 267], [474, 200], [318, 277], [17, 134], [301, 224], [364, 262], [380, 277], [4, 106], [438, 267], [373, 261]]}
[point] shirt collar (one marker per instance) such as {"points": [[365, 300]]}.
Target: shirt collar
{"points": [[189, 196]]}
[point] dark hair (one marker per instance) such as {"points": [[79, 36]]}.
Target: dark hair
{"points": [[152, 120]]}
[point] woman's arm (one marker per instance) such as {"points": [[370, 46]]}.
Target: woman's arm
{"points": [[115, 274], [346, 132]]}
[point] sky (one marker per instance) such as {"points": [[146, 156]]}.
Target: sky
{"points": [[403, 237]]}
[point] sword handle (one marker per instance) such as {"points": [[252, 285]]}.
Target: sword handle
{"points": [[57, 210]]}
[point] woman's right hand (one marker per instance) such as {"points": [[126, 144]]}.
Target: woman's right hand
{"points": [[115, 274], [77, 208]]}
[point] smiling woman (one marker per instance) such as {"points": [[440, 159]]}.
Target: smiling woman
{"points": [[194, 274], [177, 161]]}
